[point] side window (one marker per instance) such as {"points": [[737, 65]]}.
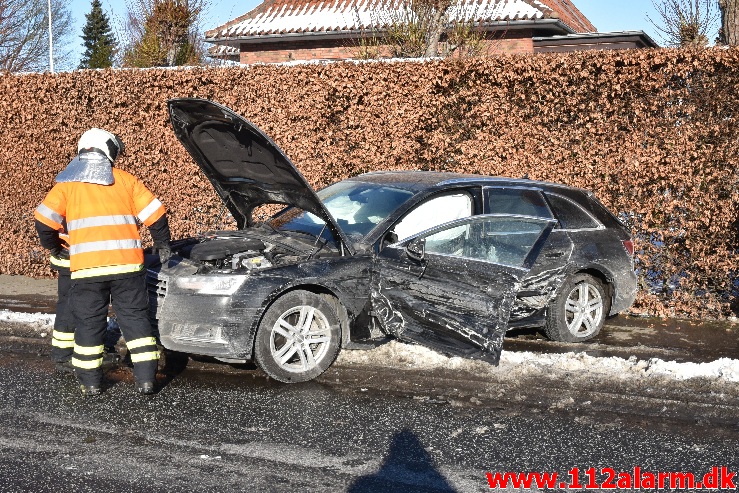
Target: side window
{"points": [[571, 215], [500, 240], [432, 212], [518, 201]]}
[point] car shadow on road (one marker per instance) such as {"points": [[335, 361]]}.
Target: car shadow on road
{"points": [[407, 468]]}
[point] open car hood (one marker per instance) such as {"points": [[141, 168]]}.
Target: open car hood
{"points": [[246, 167]]}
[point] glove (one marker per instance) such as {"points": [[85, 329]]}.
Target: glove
{"points": [[163, 250], [60, 253]]}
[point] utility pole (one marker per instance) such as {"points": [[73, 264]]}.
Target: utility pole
{"points": [[51, 41]]}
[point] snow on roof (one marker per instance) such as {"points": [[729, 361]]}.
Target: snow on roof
{"points": [[275, 17]]}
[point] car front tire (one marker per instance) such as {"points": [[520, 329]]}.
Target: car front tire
{"points": [[298, 337], [578, 312]]}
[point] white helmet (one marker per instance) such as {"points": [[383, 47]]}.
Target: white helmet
{"points": [[110, 144]]}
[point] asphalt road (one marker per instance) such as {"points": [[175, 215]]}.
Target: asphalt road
{"points": [[360, 428], [215, 427]]}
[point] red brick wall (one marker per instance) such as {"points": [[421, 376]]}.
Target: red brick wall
{"points": [[511, 42], [339, 49], [519, 41]]}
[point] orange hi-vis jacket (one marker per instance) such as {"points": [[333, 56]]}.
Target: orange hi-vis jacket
{"points": [[101, 220]]}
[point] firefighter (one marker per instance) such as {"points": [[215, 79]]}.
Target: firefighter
{"points": [[101, 207], [62, 338]]}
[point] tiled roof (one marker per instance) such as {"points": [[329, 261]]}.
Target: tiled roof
{"points": [[223, 51], [274, 17], [570, 15]]}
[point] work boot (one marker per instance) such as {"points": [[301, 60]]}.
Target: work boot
{"points": [[64, 366], [90, 390], [146, 388]]}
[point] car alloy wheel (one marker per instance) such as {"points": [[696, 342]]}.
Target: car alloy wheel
{"points": [[584, 310], [578, 311], [298, 338]]}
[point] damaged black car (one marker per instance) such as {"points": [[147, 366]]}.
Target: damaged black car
{"points": [[446, 260]]}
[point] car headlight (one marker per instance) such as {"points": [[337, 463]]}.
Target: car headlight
{"points": [[224, 285]]}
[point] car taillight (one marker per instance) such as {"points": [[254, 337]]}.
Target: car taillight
{"points": [[629, 246]]}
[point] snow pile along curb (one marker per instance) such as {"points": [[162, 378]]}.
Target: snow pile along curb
{"points": [[525, 363], [37, 319]]}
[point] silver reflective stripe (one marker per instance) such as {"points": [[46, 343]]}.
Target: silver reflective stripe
{"points": [[87, 365], [91, 222], [106, 271], [63, 336], [139, 357], [88, 350], [144, 341], [49, 214], [149, 210], [59, 262], [97, 246]]}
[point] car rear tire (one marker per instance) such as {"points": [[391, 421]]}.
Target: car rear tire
{"points": [[578, 312], [298, 337]]}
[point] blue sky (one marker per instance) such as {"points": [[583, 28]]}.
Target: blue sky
{"points": [[620, 15], [606, 15]]}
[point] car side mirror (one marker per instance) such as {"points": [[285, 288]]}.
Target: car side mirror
{"points": [[416, 249], [390, 238]]}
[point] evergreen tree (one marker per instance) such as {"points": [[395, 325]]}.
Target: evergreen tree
{"points": [[99, 42]]}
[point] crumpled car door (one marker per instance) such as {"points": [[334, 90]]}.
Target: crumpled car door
{"points": [[451, 288]]}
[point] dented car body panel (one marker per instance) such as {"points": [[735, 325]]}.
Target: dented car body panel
{"points": [[457, 302], [446, 260]]}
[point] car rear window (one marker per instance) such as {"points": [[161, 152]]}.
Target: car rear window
{"points": [[519, 201], [570, 215]]}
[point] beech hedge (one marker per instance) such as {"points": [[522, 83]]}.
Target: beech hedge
{"points": [[652, 132]]}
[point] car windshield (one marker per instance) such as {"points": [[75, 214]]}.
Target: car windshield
{"points": [[357, 207]]}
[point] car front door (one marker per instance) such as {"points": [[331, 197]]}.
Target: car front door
{"points": [[451, 288]]}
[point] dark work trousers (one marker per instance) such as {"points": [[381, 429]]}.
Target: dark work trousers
{"points": [[89, 301], [62, 339]]}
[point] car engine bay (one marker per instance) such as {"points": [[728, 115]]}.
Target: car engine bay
{"points": [[244, 252]]}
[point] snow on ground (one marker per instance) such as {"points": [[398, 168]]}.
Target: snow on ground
{"points": [[37, 319], [400, 355]]}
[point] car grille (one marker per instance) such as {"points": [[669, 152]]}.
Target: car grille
{"points": [[156, 285]]}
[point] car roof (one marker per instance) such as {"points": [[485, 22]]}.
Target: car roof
{"points": [[422, 180]]}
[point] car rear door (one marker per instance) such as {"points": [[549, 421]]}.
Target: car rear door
{"points": [[547, 273], [452, 287]]}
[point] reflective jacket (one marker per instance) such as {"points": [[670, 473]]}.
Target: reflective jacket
{"points": [[102, 224]]}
